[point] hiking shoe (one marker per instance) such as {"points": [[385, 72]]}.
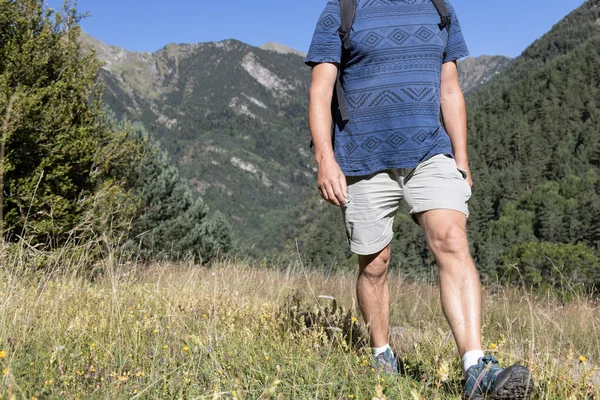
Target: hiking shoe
{"points": [[487, 378], [386, 363]]}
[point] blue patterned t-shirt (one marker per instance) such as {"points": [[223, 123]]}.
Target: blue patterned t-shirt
{"points": [[391, 82]]}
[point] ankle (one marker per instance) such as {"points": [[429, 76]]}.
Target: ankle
{"points": [[380, 350], [471, 358]]}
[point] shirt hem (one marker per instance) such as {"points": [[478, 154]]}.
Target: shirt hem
{"points": [[456, 57], [384, 167], [311, 62]]}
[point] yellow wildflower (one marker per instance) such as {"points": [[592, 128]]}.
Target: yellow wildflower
{"points": [[185, 348], [493, 346], [166, 346], [2, 354], [582, 359]]}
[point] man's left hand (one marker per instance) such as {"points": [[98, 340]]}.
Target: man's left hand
{"points": [[468, 171]]}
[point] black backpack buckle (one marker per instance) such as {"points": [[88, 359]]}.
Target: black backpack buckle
{"points": [[445, 24]]}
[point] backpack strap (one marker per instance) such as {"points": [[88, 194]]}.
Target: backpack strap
{"points": [[347, 15], [441, 8]]}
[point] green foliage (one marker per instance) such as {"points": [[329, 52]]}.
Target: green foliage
{"points": [[544, 265], [172, 223], [410, 255], [72, 174], [322, 239], [51, 135]]}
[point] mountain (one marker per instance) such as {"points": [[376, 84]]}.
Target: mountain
{"points": [[476, 71], [281, 48], [233, 118]]}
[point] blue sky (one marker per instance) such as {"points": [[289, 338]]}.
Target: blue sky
{"points": [[493, 27]]}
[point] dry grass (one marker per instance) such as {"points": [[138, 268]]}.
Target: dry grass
{"points": [[182, 331]]}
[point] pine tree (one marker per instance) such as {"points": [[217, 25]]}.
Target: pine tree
{"points": [[172, 223]]}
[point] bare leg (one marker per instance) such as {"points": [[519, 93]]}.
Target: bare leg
{"points": [[373, 295], [446, 234]]}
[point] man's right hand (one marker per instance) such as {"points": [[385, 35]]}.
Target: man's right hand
{"points": [[332, 182]]}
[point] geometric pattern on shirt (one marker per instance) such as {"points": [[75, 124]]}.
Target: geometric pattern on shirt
{"points": [[363, 101], [372, 39], [391, 140], [397, 37]]}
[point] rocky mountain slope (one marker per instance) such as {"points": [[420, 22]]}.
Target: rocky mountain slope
{"points": [[476, 71], [233, 118]]}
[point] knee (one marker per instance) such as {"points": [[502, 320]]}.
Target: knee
{"points": [[374, 268], [451, 239]]}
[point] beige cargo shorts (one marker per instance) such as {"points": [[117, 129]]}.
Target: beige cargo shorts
{"points": [[373, 200]]}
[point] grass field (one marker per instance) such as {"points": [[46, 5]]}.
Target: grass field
{"points": [[237, 332]]}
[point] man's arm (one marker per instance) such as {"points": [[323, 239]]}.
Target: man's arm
{"points": [[331, 179], [454, 112]]}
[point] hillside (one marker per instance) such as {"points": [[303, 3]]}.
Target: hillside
{"points": [[535, 156], [233, 118]]}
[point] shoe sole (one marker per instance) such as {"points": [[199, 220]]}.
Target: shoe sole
{"points": [[518, 384]]}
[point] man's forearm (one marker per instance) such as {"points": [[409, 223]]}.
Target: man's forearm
{"points": [[320, 121], [330, 178], [455, 120]]}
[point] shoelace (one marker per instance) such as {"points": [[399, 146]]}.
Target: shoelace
{"points": [[484, 378], [489, 359]]}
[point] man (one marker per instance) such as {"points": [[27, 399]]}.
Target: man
{"points": [[400, 71]]}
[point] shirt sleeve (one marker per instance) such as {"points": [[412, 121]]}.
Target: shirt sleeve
{"points": [[326, 45], [456, 47]]}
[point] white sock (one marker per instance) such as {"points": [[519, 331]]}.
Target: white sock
{"points": [[471, 358], [380, 350]]}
